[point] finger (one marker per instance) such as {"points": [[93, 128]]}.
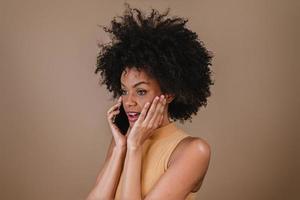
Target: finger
{"points": [[154, 122], [114, 107], [112, 116], [144, 112], [156, 115], [161, 120], [151, 111], [120, 99]]}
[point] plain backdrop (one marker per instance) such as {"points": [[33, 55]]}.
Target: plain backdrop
{"points": [[53, 128]]}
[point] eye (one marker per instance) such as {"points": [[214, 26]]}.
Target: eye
{"points": [[141, 92]]}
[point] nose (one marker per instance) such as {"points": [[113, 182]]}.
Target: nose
{"points": [[129, 100]]}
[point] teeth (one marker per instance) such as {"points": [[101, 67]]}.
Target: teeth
{"points": [[133, 114]]}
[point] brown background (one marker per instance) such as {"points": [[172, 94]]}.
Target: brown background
{"points": [[54, 134]]}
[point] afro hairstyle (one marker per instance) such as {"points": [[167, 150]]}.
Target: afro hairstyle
{"points": [[166, 49]]}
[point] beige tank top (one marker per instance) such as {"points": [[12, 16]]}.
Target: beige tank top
{"points": [[156, 152]]}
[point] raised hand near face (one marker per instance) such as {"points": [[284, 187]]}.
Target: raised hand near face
{"points": [[119, 138], [147, 122]]}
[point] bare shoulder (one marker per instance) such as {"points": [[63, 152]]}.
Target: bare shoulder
{"points": [[189, 164], [190, 146], [195, 151]]}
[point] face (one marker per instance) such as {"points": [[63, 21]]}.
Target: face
{"points": [[137, 89]]}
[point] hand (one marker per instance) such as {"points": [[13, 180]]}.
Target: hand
{"points": [[145, 124], [119, 138]]}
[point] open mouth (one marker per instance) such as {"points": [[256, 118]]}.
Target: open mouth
{"points": [[133, 116]]}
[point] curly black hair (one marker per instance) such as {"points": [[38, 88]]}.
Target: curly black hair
{"points": [[166, 50]]}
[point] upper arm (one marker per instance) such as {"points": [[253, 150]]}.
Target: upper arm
{"points": [[184, 173]]}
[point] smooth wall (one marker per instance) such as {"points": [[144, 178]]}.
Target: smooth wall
{"points": [[54, 133]]}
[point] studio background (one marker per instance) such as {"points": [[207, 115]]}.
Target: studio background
{"points": [[54, 133]]}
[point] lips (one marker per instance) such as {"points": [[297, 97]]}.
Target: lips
{"points": [[133, 116]]}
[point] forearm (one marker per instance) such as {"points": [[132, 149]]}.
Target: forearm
{"points": [[132, 175], [106, 162], [108, 179]]}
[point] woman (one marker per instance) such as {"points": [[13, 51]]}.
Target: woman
{"points": [[159, 70]]}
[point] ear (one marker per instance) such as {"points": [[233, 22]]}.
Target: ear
{"points": [[169, 97]]}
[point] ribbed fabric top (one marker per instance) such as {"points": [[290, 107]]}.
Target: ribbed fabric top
{"points": [[156, 152]]}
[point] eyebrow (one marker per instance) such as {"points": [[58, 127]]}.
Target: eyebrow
{"points": [[137, 84]]}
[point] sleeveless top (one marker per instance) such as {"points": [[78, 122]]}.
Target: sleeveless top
{"points": [[156, 152]]}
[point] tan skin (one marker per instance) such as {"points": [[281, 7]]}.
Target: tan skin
{"points": [[139, 95]]}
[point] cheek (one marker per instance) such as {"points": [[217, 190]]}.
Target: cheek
{"points": [[143, 101], [148, 99]]}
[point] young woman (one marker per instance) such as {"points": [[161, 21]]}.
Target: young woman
{"points": [[159, 71]]}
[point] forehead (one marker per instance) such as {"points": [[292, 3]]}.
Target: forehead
{"points": [[133, 75]]}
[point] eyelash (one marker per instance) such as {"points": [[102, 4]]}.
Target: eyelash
{"points": [[144, 92]]}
